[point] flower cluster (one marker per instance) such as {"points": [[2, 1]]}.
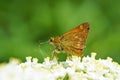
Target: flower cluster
{"points": [[75, 68]]}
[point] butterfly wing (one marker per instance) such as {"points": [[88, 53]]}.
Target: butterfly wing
{"points": [[75, 39]]}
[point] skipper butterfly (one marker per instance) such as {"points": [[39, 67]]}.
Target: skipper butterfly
{"points": [[72, 42]]}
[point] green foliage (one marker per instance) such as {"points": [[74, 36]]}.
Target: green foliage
{"points": [[24, 24], [66, 77]]}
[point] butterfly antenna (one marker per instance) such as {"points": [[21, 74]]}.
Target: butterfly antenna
{"points": [[43, 42]]}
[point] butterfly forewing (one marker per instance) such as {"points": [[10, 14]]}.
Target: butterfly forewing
{"points": [[76, 37]]}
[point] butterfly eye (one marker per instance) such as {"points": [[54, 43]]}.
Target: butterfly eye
{"points": [[51, 40]]}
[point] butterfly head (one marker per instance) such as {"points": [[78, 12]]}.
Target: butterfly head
{"points": [[51, 39], [54, 40]]}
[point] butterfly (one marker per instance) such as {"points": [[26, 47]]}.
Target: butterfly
{"points": [[72, 42]]}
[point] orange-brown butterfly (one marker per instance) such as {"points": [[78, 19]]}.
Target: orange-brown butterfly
{"points": [[72, 42]]}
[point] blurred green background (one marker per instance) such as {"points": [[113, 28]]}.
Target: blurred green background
{"points": [[26, 26]]}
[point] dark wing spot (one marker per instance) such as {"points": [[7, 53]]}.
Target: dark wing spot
{"points": [[88, 28]]}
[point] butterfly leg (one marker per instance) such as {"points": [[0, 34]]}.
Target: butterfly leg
{"points": [[54, 55], [69, 56]]}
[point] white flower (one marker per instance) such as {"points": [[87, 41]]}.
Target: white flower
{"points": [[74, 68]]}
